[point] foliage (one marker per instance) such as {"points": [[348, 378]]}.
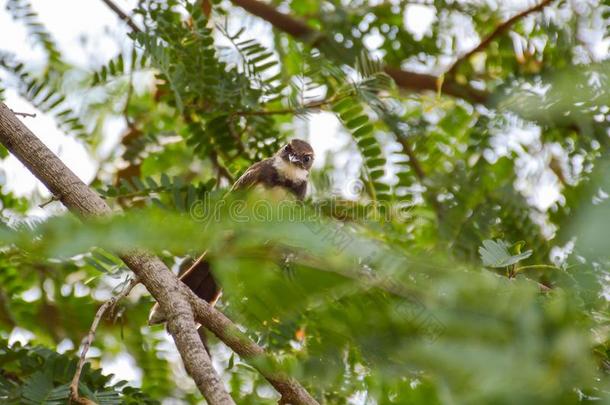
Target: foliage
{"points": [[440, 278], [37, 375]]}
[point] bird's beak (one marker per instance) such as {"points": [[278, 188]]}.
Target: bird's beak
{"points": [[293, 159]]}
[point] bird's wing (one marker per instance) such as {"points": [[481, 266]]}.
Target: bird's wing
{"points": [[249, 178]]}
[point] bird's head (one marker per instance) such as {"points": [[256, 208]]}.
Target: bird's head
{"points": [[297, 153]]}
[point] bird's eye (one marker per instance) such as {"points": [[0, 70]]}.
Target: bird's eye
{"points": [[306, 159]]}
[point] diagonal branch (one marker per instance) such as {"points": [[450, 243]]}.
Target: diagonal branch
{"points": [[421, 82], [291, 391], [149, 269], [499, 30], [122, 15], [283, 22], [413, 161], [175, 298], [415, 164]]}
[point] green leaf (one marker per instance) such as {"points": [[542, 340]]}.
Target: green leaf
{"points": [[357, 122], [495, 254]]}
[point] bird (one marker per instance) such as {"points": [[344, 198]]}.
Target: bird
{"points": [[287, 170]]}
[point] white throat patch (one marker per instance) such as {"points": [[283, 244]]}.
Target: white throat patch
{"points": [[288, 171]]}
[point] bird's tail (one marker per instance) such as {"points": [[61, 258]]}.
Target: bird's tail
{"points": [[198, 277]]}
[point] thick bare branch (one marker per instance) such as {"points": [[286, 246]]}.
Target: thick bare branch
{"points": [[499, 30], [150, 270]]}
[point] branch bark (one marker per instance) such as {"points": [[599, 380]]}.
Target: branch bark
{"points": [[291, 391], [405, 79], [175, 299], [150, 270], [499, 30]]}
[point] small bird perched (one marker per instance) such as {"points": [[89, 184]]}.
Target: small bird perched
{"points": [[288, 170]]}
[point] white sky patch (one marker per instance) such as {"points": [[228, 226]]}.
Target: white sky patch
{"points": [[321, 128], [31, 295], [94, 19], [464, 33], [64, 346], [23, 336], [514, 139], [545, 192], [372, 41], [418, 19], [124, 367]]}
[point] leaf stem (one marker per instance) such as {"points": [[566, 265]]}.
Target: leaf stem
{"points": [[537, 266]]}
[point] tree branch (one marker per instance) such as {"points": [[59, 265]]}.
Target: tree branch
{"points": [[152, 272], [302, 32], [74, 397], [315, 105], [122, 15], [291, 391], [499, 30], [415, 164]]}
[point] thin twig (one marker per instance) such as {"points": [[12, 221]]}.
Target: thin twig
{"points": [[499, 30], [26, 115], [44, 204], [413, 161], [74, 397], [128, 121], [222, 170], [537, 266], [415, 164], [311, 106], [122, 15]]}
